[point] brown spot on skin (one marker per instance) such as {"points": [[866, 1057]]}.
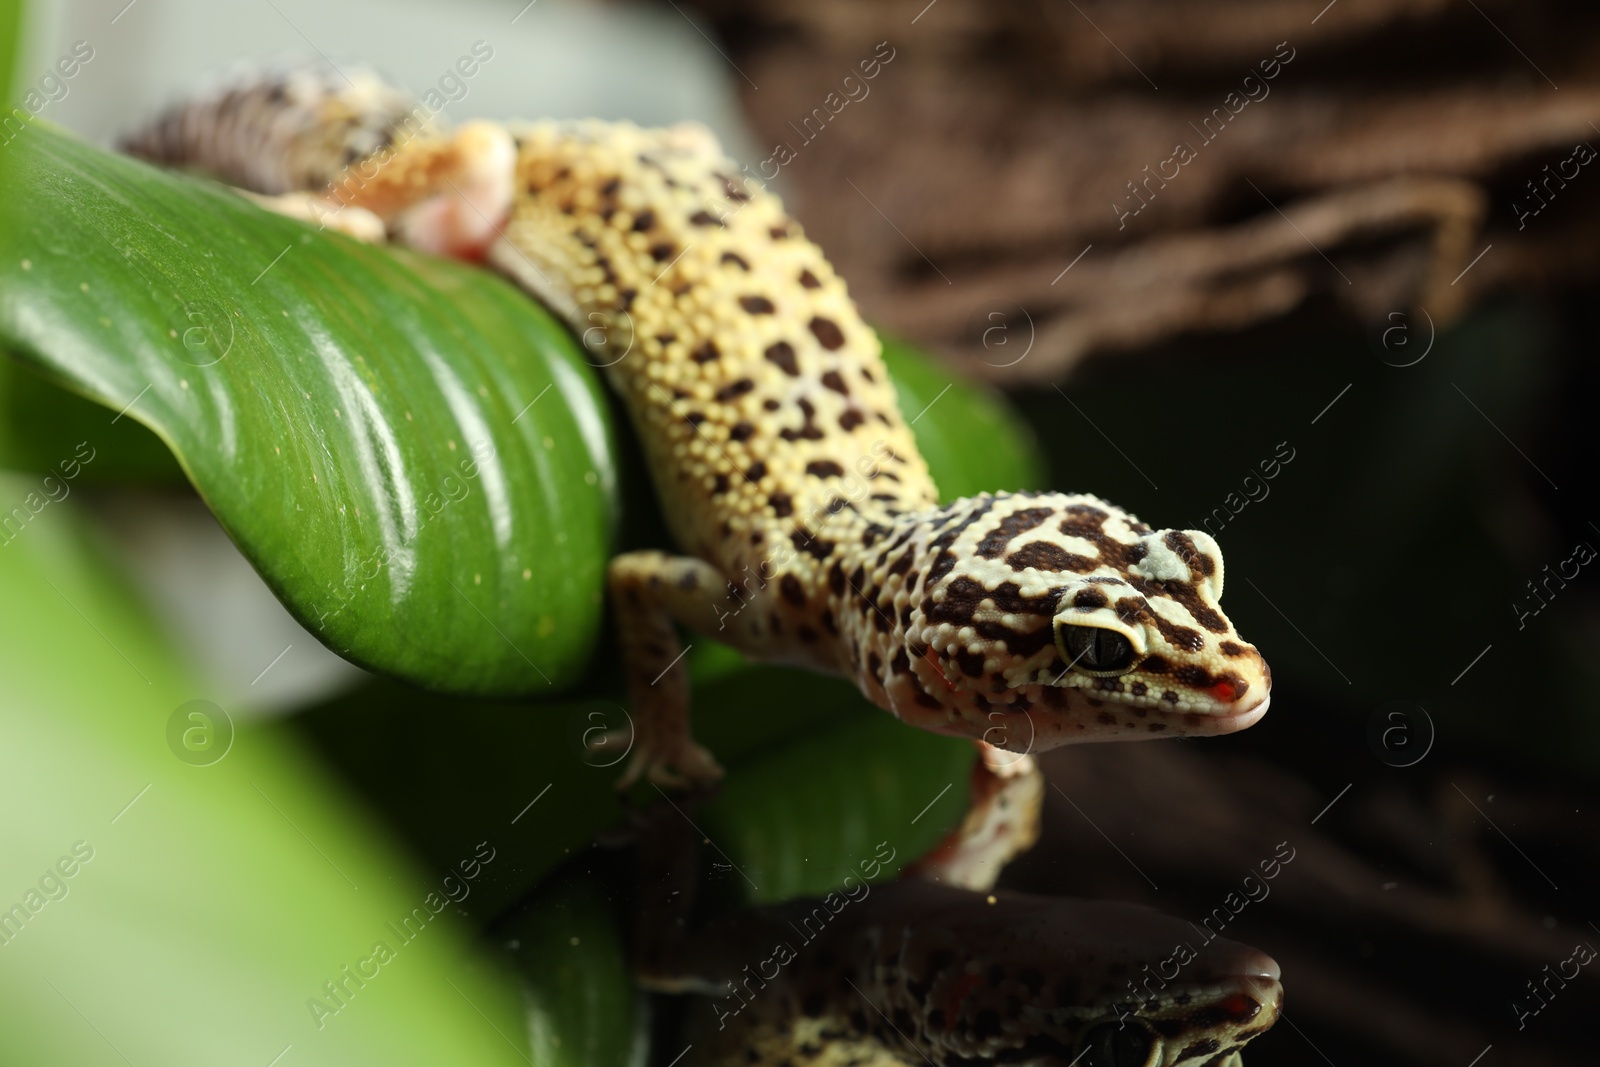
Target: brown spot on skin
{"points": [[827, 332], [705, 353], [688, 582], [1131, 609], [736, 259], [901, 663], [770, 405], [644, 220], [1089, 600], [1189, 597], [833, 380], [819, 548], [705, 218], [1105, 718], [809, 280], [971, 663], [994, 543], [824, 468], [1183, 637], [782, 504], [741, 431], [836, 578], [778, 233], [757, 305], [782, 353], [850, 420], [945, 561], [694, 418], [1154, 665], [874, 664], [1229, 648], [1170, 696], [719, 484], [663, 251], [792, 591], [1155, 727], [734, 390], [1044, 556], [756, 471], [1190, 553], [1139, 689], [828, 623]]}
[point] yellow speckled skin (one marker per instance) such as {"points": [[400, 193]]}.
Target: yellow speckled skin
{"points": [[812, 531]]}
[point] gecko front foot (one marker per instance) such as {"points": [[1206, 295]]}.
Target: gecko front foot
{"points": [[683, 764]]}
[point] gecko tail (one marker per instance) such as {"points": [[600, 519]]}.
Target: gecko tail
{"points": [[284, 127]]}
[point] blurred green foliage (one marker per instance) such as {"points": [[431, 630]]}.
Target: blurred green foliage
{"points": [[207, 902]]}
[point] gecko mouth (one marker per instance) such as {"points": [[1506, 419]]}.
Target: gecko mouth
{"points": [[1229, 719], [1236, 719]]}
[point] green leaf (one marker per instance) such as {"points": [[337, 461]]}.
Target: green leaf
{"points": [[42, 424], [973, 439], [371, 426], [582, 1009], [10, 36], [800, 819], [211, 894]]}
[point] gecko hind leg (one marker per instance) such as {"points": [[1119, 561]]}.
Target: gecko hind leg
{"points": [[444, 195], [356, 222]]}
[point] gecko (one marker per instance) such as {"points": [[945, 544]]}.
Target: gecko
{"points": [[912, 972], [809, 530]]}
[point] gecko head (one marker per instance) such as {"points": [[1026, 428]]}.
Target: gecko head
{"points": [[1096, 626], [1059, 982]]}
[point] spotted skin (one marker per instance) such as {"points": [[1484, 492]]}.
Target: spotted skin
{"points": [[915, 973], [813, 533]]}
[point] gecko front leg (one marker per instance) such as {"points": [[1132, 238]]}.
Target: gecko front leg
{"points": [[650, 593]]}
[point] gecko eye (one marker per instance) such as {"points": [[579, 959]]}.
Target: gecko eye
{"points": [[1094, 649], [1117, 1044]]}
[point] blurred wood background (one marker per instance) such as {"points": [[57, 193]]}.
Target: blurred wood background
{"points": [[1366, 149]]}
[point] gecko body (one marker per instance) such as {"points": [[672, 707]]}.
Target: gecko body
{"points": [[811, 531]]}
